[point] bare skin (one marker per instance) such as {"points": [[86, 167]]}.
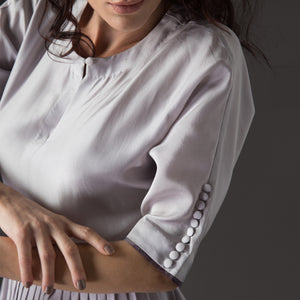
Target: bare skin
{"points": [[39, 250], [112, 33], [30, 225], [123, 272]]}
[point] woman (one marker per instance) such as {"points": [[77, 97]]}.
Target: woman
{"points": [[120, 125]]}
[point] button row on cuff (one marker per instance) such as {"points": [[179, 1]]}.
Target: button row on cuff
{"points": [[194, 223], [197, 215], [207, 188], [174, 255], [203, 196], [200, 205], [180, 247], [185, 239]]}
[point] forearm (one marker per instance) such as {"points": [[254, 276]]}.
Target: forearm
{"points": [[125, 271]]}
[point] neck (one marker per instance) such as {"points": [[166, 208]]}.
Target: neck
{"points": [[109, 41]]}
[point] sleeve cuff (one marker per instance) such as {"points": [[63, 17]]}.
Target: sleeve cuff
{"points": [[136, 247]]}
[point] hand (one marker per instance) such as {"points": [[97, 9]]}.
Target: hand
{"points": [[28, 224]]}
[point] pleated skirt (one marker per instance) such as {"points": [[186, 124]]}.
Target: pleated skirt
{"points": [[14, 290]]}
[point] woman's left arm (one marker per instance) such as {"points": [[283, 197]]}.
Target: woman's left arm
{"points": [[123, 272]]}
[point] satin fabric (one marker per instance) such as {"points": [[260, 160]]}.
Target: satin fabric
{"points": [[125, 144]]}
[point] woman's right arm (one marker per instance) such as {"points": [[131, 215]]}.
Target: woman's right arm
{"points": [[124, 272], [30, 226], [39, 250]]}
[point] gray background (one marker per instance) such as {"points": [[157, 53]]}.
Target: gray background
{"points": [[252, 250]]}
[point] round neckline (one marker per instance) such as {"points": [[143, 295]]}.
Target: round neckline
{"points": [[78, 11], [80, 15], [119, 61]]}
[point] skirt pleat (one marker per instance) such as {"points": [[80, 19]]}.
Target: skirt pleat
{"points": [[14, 290]]}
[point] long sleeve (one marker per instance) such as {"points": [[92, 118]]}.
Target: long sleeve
{"points": [[195, 161], [15, 18]]}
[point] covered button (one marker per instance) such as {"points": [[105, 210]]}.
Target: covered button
{"points": [[201, 205], [180, 247], [89, 61], [190, 231], [197, 215], [194, 223], [168, 263], [174, 255], [185, 239], [207, 188], [203, 196]]}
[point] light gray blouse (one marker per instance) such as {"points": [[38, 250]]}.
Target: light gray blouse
{"points": [[139, 146]]}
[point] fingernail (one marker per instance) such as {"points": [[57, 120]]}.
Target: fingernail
{"points": [[48, 289], [81, 284], [109, 249], [28, 284]]}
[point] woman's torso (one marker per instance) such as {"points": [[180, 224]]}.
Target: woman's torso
{"points": [[76, 133]]}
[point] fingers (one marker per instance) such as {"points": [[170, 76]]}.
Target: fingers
{"points": [[72, 257], [24, 249], [91, 237], [47, 259], [41, 231]]}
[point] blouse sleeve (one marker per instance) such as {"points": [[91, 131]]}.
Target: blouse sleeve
{"points": [[194, 165], [15, 17]]}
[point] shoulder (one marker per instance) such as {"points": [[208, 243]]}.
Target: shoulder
{"points": [[203, 44], [205, 58], [17, 12], [16, 16], [18, 4]]}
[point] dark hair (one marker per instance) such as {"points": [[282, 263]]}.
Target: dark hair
{"points": [[237, 17]]}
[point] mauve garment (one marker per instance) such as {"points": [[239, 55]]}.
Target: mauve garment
{"points": [[139, 146]]}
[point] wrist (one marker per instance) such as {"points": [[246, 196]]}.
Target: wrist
{"points": [[3, 194], [9, 267]]}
